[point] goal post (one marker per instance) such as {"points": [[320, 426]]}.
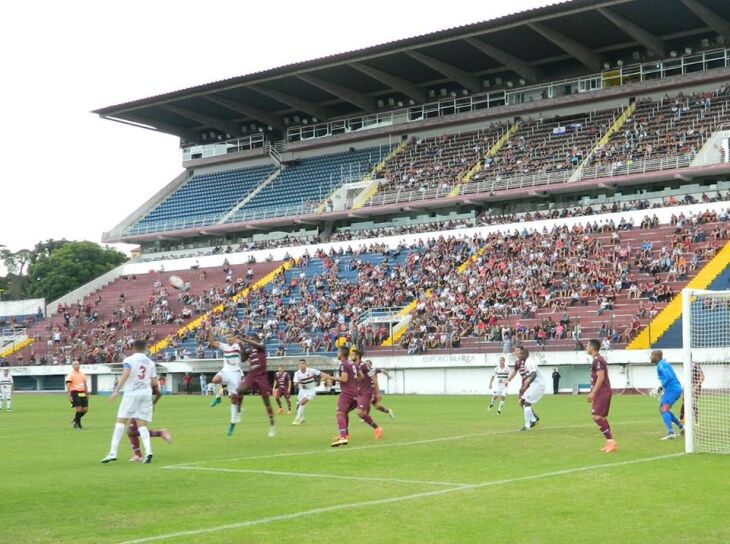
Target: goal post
{"points": [[706, 370]]}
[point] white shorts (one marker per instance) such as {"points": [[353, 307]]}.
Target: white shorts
{"points": [[499, 391], [534, 393], [6, 394], [307, 394], [136, 406], [231, 376]]}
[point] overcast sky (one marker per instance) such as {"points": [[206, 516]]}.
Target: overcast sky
{"points": [[67, 173]]}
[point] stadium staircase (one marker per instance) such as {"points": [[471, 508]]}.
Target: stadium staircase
{"points": [[400, 329], [619, 318], [315, 268], [491, 152], [206, 197], [137, 290], [672, 312], [184, 331], [309, 180], [371, 176], [603, 140]]}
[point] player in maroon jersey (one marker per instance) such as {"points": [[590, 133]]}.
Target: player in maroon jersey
{"points": [[521, 354], [600, 395], [377, 397], [366, 385], [255, 353], [698, 377], [282, 388], [347, 401], [133, 432]]}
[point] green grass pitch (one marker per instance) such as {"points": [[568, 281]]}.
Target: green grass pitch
{"points": [[445, 471]]}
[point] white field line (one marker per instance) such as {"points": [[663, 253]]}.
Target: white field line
{"points": [[393, 444], [403, 498], [321, 476]]}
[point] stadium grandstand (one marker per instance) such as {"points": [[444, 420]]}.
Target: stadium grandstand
{"points": [[542, 178]]}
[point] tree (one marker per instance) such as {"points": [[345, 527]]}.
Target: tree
{"points": [[57, 268]]}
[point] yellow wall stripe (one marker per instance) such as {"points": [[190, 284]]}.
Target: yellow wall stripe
{"points": [[673, 311]]}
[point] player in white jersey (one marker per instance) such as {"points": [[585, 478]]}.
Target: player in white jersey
{"points": [[230, 375], [533, 388], [501, 374], [139, 383], [6, 390], [304, 379]]}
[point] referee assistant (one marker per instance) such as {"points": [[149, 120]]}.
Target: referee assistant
{"points": [[78, 394]]}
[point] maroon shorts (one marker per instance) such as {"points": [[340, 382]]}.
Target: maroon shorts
{"points": [[281, 393], [364, 400], [346, 403], [601, 404], [259, 380]]}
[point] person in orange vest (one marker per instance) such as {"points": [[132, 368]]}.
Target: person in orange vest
{"points": [[78, 394]]}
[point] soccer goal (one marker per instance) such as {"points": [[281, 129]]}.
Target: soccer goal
{"points": [[706, 347]]}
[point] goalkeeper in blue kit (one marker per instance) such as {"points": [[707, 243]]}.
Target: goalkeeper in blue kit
{"points": [[671, 391]]}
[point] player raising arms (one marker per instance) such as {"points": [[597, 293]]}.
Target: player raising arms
{"points": [[600, 395], [230, 376], [670, 389], [501, 374], [255, 353], [347, 401], [521, 355], [138, 380], [6, 391], [366, 385], [304, 378], [533, 388], [282, 388]]}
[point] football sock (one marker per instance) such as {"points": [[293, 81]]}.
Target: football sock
{"points": [[667, 418], [604, 427], [116, 438], [269, 410], [676, 421], [529, 418], [367, 419], [501, 405], [382, 409], [300, 411], [155, 434], [342, 423], [288, 404], [77, 418], [144, 435], [7, 404], [278, 401]]}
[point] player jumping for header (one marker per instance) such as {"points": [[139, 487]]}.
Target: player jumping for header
{"points": [[670, 391], [230, 376], [256, 356]]}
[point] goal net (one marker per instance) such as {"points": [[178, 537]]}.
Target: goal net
{"points": [[706, 347]]}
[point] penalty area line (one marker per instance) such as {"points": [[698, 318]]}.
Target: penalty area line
{"points": [[391, 500], [320, 476], [341, 450]]}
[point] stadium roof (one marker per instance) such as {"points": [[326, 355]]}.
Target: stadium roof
{"points": [[562, 40]]}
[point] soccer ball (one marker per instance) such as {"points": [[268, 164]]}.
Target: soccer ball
{"points": [[177, 283]]}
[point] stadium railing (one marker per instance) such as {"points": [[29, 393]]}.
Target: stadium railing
{"points": [[534, 180]]}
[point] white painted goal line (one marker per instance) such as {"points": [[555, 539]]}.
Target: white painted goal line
{"points": [[340, 450], [403, 498]]}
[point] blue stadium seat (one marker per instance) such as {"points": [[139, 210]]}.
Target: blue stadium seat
{"points": [[204, 196]]}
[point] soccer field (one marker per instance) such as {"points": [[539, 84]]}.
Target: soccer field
{"points": [[445, 471]]}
